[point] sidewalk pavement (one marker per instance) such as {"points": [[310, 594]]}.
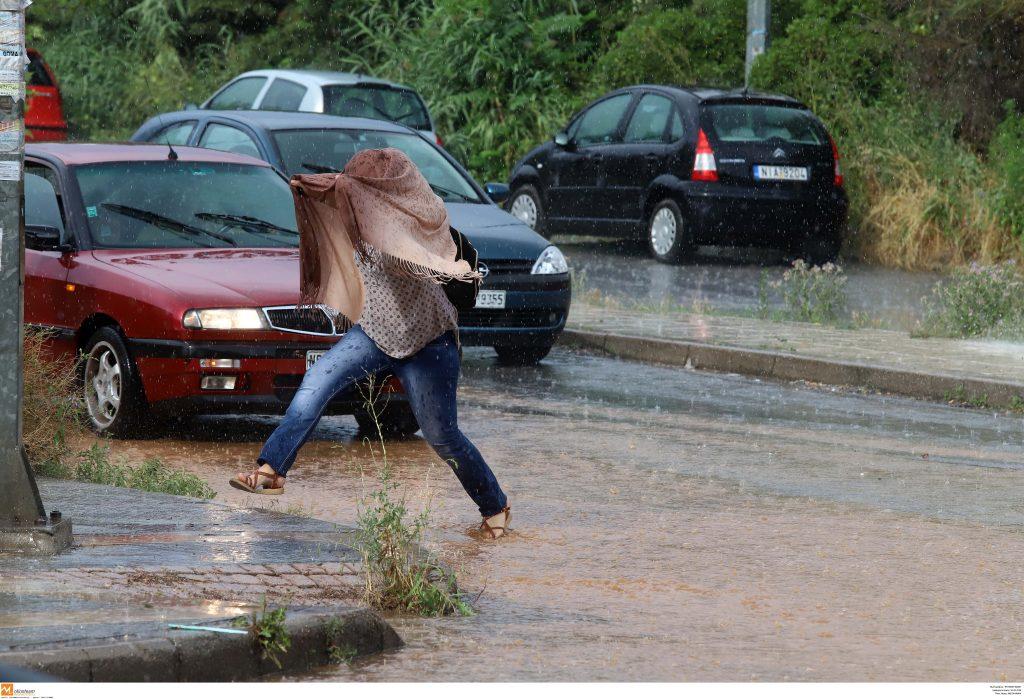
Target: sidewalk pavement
{"points": [[982, 373], [143, 560]]}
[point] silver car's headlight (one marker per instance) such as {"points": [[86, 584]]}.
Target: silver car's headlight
{"points": [[551, 261], [224, 319]]}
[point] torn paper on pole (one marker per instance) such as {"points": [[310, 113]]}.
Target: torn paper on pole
{"points": [[10, 170]]}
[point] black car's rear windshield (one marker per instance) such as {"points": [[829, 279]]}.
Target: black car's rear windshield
{"points": [[177, 204], [377, 102], [754, 123]]}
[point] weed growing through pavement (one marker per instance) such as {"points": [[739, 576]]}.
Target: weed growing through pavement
{"points": [[812, 294], [977, 301], [337, 650], [268, 633], [960, 396], [399, 573], [94, 465]]}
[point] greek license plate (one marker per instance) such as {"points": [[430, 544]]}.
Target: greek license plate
{"points": [[490, 299], [312, 356], [780, 172]]}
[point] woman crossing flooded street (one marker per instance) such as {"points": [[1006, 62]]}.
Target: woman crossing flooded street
{"points": [[376, 247]]}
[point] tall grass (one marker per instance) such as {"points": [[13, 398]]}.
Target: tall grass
{"points": [[400, 573], [50, 411]]}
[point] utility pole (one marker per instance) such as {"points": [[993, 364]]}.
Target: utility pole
{"points": [[758, 24], [24, 525]]}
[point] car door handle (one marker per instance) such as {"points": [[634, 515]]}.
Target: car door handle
{"points": [[596, 156], [651, 156]]}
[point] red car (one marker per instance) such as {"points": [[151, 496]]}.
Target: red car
{"points": [[175, 274], [44, 112]]}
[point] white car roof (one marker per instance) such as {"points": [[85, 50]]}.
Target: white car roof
{"points": [[318, 78]]}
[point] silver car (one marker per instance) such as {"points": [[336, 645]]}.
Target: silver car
{"points": [[340, 94]]}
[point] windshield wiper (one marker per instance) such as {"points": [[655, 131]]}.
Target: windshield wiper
{"points": [[245, 221], [168, 224], [320, 169], [442, 191]]}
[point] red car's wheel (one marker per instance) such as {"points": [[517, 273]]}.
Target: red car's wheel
{"points": [[114, 400], [394, 421]]}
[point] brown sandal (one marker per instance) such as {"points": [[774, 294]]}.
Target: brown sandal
{"points": [[258, 482], [494, 531]]}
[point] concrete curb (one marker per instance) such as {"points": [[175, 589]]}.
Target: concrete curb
{"points": [[793, 367], [196, 656]]}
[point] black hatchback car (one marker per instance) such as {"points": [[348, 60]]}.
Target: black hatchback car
{"points": [[526, 292], [685, 167]]}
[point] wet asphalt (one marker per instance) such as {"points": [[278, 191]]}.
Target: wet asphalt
{"points": [[682, 525], [728, 280]]}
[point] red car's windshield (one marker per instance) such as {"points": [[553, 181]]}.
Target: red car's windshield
{"points": [[177, 204]]}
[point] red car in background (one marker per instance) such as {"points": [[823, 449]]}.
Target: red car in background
{"points": [[44, 111], [174, 272]]}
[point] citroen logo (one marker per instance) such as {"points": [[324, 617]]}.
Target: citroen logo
{"points": [[483, 269], [779, 153]]}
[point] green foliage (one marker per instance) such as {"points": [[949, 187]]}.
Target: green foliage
{"points": [[978, 301], [812, 294], [399, 572], [1006, 154], [268, 633], [93, 465]]}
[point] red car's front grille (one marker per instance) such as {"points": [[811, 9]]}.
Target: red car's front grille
{"points": [[295, 319]]}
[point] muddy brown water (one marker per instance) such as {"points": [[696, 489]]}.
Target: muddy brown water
{"points": [[676, 525]]}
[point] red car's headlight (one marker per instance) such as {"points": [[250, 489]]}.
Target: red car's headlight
{"points": [[224, 319]]}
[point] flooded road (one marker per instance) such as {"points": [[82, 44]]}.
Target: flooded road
{"points": [[727, 280], [677, 525]]}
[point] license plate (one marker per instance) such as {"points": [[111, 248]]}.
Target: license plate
{"points": [[780, 172], [312, 356], [490, 299]]}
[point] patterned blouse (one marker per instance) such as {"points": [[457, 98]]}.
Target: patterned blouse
{"points": [[403, 314]]}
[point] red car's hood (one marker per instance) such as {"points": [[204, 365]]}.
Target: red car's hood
{"points": [[214, 278]]}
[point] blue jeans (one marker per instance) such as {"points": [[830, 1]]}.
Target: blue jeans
{"points": [[429, 378]]}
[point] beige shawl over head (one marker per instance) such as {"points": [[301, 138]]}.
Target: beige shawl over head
{"points": [[381, 208]]}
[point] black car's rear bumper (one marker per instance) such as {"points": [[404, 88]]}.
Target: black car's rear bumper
{"points": [[734, 214]]}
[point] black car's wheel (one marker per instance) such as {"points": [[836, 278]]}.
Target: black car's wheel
{"points": [[819, 249], [396, 421], [669, 237], [525, 205], [521, 356], [114, 400]]}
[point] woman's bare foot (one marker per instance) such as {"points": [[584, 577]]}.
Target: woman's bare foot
{"points": [[260, 481], [497, 526]]}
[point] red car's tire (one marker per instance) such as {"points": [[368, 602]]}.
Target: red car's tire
{"points": [[115, 403], [396, 421]]}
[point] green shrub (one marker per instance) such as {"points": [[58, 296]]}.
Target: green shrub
{"points": [[93, 465], [701, 44], [399, 573], [978, 301], [811, 294], [1006, 153]]}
